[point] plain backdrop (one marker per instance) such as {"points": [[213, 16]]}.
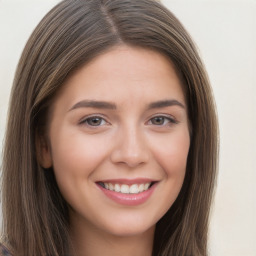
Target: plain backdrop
{"points": [[225, 33]]}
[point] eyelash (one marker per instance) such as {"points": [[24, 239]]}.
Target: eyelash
{"points": [[168, 120], [86, 121]]}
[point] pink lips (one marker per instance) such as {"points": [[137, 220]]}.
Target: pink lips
{"points": [[128, 199]]}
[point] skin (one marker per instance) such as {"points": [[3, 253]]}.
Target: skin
{"points": [[127, 142]]}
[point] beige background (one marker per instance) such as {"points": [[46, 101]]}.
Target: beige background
{"points": [[225, 32]]}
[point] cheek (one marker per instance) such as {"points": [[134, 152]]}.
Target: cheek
{"points": [[172, 153], [75, 157], [77, 150]]}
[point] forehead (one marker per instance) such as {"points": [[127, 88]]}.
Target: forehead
{"points": [[124, 73]]}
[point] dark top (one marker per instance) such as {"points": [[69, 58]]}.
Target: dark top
{"points": [[4, 251]]}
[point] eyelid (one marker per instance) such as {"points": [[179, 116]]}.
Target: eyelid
{"points": [[83, 120], [172, 120]]}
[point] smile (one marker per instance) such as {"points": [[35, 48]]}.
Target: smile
{"points": [[128, 192], [126, 189]]}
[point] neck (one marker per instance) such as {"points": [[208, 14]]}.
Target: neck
{"points": [[98, 243]]}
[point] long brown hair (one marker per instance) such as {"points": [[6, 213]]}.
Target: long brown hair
{"points": [[35, 215]]}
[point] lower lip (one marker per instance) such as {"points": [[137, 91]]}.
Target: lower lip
{"points": [[128, 199]]}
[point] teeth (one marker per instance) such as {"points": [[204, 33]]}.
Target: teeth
{"points": [[110, 186], [134, 189], [141, 187], [147, 186], [126, 189], [117, 188]]}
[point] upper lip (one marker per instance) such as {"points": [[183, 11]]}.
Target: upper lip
{"points": [[128, 181]]}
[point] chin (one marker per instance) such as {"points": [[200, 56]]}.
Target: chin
{"points": [[126, 228], [131, 231]]}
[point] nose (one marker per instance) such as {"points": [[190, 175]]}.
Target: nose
{"points": [[130, 148]]}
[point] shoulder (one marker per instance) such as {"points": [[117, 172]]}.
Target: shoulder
{"points": [[4, 251]]}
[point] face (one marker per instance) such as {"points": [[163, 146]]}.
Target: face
{"points": [[118, 141]]}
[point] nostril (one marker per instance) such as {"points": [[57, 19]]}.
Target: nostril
{"points": [[131, 159], [130, 148]]}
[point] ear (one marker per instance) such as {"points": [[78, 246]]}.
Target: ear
{"points": [[43, 151]]}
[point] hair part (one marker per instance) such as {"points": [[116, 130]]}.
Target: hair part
{"points": [[35, 215]]}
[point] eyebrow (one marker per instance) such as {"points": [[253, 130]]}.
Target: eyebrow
{"points": [[165, 103], [94, 104], [110, 105]]}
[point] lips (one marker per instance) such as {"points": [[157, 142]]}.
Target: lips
{"points": [[128, 192]]}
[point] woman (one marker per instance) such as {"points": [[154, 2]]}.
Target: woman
{"points": [[111, 142]]}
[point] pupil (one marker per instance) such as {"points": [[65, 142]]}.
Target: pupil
{"points": [[94, 121], [158, 120]]}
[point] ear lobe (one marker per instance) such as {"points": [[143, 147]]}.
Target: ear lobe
{"points": [[43, 152]]}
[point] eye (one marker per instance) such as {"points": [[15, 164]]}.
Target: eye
{"points": [[94, 121], [162, 120]]}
